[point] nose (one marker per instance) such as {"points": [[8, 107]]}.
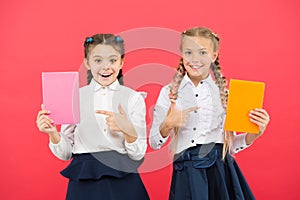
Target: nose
{"points": [[195, 59], [105, 65]]}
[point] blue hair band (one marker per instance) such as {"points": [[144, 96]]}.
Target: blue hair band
{"points": [[89, 39], [119, 39]]}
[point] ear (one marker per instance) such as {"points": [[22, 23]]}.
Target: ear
{"points": [[215, 55], [122, 63], [86, 63]]}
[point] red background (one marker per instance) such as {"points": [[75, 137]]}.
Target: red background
{"points": [[259, 41]]}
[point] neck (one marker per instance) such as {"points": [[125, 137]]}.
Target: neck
{"points": [[196, 80]]}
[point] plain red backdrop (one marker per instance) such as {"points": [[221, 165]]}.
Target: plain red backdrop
{"points": [[259, 41]]}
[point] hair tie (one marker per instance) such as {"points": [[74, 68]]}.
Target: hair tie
{"points": [[88, 40], [215, 35], [119, 39]]}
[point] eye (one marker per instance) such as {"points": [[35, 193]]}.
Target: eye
{"points": [[97, 60], [202, 53], [113, 60], [187, 53]]}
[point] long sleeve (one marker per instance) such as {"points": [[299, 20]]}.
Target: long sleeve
{"points": [[160, 112], [239, 143], [137, 115], [63, 149]]}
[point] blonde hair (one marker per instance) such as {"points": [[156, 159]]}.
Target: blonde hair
{"points": [[215, 67]]}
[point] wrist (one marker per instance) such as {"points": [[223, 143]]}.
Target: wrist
{"points": [[165, 128], [130, 134], [250, 138], [54, 137]]}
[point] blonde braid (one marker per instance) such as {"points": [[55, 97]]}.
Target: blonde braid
{"points": [[175, 83], [222, 83], [174, 86]]}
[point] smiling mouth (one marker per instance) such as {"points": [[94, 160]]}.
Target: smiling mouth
{"points": [[196, 66], [105, 75]]}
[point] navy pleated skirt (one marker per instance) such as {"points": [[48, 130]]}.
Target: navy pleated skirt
{"points": [[199, 173], [104, 175]]}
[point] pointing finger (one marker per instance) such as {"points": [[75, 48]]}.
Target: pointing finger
{"points": [[104, 112], [191, 109], [121, 110]]}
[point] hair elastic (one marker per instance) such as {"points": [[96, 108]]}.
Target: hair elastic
{"points": [[119, 39], [215, 35], [88, 40]]}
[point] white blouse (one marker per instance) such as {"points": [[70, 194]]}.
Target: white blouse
{"points": [[204, 125], [92, 133]]}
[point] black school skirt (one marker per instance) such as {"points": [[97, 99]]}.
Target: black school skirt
{"points": [[104, 175], [199, 173]]}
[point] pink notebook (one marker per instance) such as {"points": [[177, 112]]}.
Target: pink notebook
{"points": [[61, 96]]}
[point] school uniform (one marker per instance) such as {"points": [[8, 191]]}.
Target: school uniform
{"points": [[198, 169], [104, 165]]}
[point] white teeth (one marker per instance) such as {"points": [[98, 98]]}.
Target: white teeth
{"points": [[105, 75]]}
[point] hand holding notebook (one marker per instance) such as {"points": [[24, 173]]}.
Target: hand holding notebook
{"points": [[244, 96]]}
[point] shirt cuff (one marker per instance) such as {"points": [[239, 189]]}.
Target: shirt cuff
{"points": [[239, 143], [158, 141], [58, 144], [136, 150]]}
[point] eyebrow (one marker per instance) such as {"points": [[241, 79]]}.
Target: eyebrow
{"points": [[196, 49], [95, 56]]}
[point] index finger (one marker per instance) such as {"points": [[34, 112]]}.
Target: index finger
{"points": [[191, 109], [104, 112], [43, 112], [261, 112]]}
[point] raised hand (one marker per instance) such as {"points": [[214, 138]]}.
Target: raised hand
{"points": [[261, 118], [44, 123], [175, 118], [178, 118], [120, 123]]}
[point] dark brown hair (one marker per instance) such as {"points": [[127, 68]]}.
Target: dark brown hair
{"points": [[106, 39]]}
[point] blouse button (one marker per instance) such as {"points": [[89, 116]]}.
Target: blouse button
{"points": [[196, 95], [195, 111], [192, 141], [201, 82], [194, 129], [160, 141]]}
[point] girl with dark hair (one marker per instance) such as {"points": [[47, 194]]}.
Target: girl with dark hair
{"points": [[109, 143]]}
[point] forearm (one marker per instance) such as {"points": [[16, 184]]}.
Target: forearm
{"points": [[165, 128], [130, 134], [250, 138], [54, 137]]}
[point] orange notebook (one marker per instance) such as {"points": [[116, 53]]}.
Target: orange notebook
{"points": [[243, 97]]}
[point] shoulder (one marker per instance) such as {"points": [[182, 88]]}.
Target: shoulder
{"points": [[127, 92], [165, 90]]}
